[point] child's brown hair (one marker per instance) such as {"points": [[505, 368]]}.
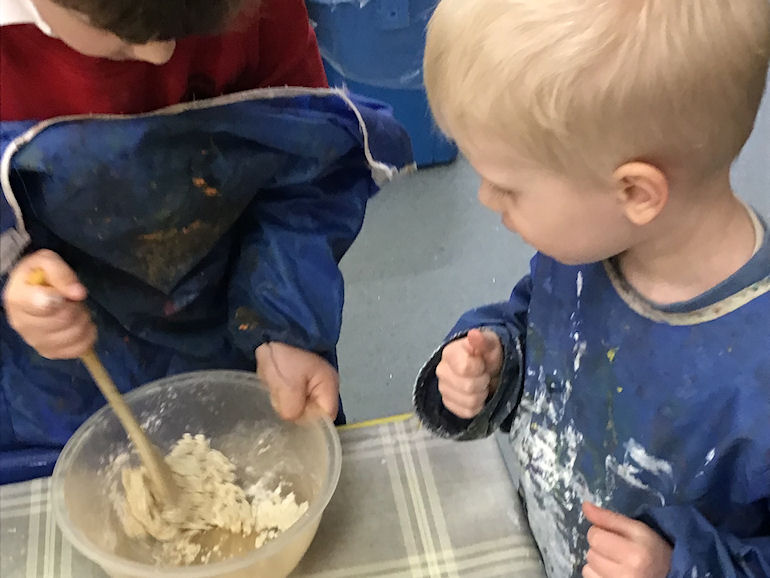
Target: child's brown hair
{"points": [[142, 21]]}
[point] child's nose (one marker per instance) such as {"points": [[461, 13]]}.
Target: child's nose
{"points": [[154, 52]]}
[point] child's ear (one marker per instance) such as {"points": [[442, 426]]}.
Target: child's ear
{"points": [[643, 191]]}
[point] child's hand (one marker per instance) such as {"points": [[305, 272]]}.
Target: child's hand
{"points": [[298, 380], [52, 319], [620, 547], [468, 372]]}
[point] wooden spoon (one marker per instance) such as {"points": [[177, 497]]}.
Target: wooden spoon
{"points": [[157, 469]]}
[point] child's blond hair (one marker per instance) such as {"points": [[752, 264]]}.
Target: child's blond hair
{"points": [[582, 86]]}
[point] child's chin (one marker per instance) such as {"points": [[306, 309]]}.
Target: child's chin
{"points": [[573, 260]]}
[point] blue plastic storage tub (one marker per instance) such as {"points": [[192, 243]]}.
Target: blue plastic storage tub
{"points": [[375, 48]]}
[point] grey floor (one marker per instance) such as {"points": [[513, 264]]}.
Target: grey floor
{"points": [[428, 251]]}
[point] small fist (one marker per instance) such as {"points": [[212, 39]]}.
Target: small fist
{"points": [[300, 382], [469, 371], [620, 547], [52, 318]]}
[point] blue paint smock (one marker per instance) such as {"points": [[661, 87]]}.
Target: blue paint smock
{"points": [[201, 231], [659, 413]]}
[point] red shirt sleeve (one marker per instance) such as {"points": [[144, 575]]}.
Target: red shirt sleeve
{"points": [[288, 51]]}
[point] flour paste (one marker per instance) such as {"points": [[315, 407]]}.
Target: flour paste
{"points": [[213, 511]]}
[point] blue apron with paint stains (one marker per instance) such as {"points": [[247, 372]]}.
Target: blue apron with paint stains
{"points": [[200, 231], [660, 414]]}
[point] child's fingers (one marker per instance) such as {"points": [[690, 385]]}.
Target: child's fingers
{"points": [[607, 544], [486, 344], [314, 409], [67, 316], [475, 387], [465, 401], [288, 399], [475, 342], [56, 273], [37, 301], [468, 385], [324, 392], [58, 337], [602, 565], [70, 343], [589, 572], [611, 521], [462, 409], [463, 396], [461, 362], [64, 332], [482, 341]]}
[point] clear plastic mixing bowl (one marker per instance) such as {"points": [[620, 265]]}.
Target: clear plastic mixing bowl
{"points": [[231, 408]]}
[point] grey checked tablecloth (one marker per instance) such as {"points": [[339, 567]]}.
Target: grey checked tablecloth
{"points": [[407, 505]]}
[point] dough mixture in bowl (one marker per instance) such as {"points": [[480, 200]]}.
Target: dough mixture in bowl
{"points": [[215, 517]]}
